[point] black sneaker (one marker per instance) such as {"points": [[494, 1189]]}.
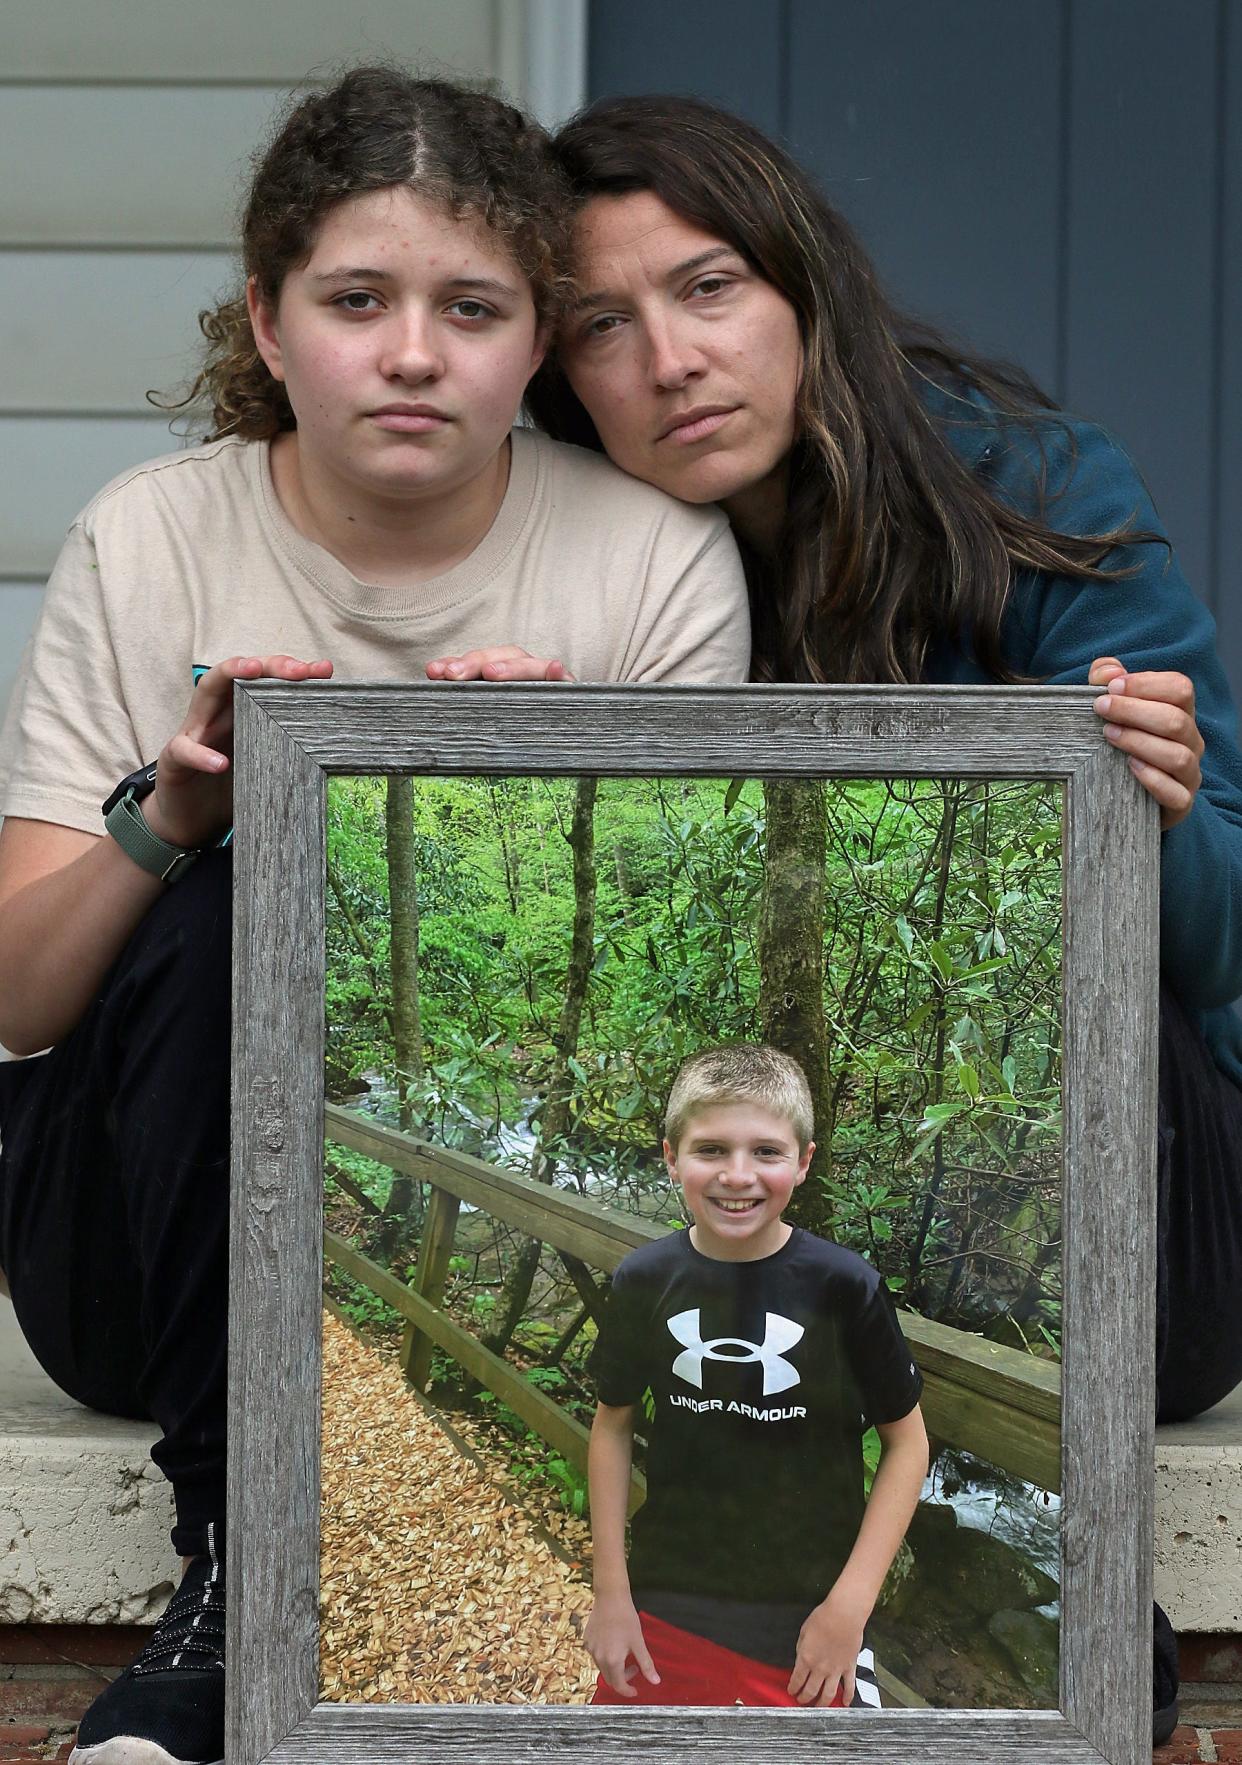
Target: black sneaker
{"points": [[168, 1707], [1164, 1679]]}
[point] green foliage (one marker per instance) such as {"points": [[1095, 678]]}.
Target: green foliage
{"points": [[375, 1180], [942, 958], [872, 1447], [531, 1462], [365, 1310]]}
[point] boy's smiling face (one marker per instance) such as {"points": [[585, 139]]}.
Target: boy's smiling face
{"points": [[737, 1164]]}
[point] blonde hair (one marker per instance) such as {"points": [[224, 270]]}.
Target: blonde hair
{"points": [[741, 1072]]}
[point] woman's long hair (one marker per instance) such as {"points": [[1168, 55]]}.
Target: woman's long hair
{"points": [[377, 128], [890, 542]]}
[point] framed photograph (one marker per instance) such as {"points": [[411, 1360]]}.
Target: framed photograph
{"points": [[993, 1015]]}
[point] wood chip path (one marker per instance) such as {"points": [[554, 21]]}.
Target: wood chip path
{"points": [[434, 1587]]}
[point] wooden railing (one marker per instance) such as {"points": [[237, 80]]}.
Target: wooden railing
{"points": [[994, 1401]]}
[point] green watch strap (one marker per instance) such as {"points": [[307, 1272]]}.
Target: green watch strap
{"points": [[127, 826]]}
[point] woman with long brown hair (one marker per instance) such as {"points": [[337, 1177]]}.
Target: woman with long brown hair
{"points": [[910, 512]]}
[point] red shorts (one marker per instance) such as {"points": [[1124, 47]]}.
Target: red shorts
{"points": [[695, 1671]]}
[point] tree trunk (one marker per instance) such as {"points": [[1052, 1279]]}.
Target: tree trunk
{"points": [[403, 1208], [502, 814], [625, 889], [555, 1118], [791, 959], [952, 791]]}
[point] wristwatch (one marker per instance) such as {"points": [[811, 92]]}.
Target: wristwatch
{"points": [[124, 820]]}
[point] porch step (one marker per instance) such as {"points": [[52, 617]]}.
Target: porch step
{"points": [[1199, 1519], [84, 1514]]}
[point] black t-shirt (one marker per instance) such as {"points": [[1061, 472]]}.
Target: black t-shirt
{"points": [[764, 1377]]}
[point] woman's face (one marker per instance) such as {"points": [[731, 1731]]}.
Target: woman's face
{"points": [[687, 361], [404, 342]]}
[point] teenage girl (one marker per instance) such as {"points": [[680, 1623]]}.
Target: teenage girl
{"points": [[362, 507]]}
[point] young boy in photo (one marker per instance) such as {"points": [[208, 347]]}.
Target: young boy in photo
{"points": [[761, 1353]]}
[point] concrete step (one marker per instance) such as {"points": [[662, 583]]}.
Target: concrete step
{"points": [[1199, 1519], [84, 1514]]}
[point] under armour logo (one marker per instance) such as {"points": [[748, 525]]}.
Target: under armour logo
{"points": [[779, 1334]]}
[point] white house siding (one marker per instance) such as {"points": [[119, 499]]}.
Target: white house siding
{"points": [[125, 131]]}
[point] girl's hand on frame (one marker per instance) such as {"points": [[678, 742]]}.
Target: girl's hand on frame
{"points": [[192, 803], [614, 1635], [827, 1657], [1151, 718], [506, 661]]}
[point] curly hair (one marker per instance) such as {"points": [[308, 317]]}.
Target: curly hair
{"points": [[377, 128], [889, 542]]}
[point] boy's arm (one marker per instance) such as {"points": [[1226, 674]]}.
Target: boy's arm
{"points": [[832, 1635], [613, 1631]]}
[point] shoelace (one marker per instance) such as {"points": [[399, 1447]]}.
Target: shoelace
{"points": [[191, 1632]]}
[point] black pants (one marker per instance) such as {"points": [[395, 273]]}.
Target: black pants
{"points": [[114, 1171], [1199, 1223], [114, 1199]]}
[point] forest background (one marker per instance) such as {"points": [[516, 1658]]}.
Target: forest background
{"points": [[517, 966]]}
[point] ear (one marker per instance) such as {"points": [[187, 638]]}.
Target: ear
{"points": [[539, 349], [670, 1161], [263, 325], [804, 1162]]}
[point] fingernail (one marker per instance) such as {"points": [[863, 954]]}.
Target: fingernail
{"points": [[1102, 703], [1112, 732], [1118, 685]]}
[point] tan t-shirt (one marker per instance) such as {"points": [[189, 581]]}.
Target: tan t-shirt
{"points": [[190, 559]]}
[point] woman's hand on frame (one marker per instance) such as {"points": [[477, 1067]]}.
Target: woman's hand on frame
{"points": [[1151, 718]]}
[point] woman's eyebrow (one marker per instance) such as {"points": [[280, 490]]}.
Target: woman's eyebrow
{"points": [[603, 296]]}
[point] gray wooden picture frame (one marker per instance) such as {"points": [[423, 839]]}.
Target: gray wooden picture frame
{"points": [[288, 738]]}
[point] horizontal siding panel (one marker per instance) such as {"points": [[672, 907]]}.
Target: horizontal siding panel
{"points": [[171, 40], [127, 166], [53, 467], [94, 331], [1227, 491], [936, 131], [727, 50], [19, 608], [1141, 239]]}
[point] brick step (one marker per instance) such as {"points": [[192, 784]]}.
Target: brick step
{"points": [[50, 1673]]}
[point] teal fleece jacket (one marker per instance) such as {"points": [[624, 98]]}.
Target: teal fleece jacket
{"points": [[1055, 627]]}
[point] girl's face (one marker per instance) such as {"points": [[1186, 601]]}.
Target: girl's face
{"points": [[686, 360], [405, 343]]}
